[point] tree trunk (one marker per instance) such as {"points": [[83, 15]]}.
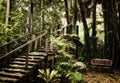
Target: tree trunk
{"points": [[75, 15], [119, 34], [94, 39], [68, 29], [7, 13], [112, 41], [67, 11], [30, 29], [86, 32], [42, 20]]}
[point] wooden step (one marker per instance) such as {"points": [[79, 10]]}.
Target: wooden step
{"points": [[19, 66], [8, 74], [17, 70], [8, 79], [31, 60], [33, 57], [38, 53], [23, 63]]}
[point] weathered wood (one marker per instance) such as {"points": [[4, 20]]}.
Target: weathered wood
{"points": [[14, 40], [36, 44], [26, 62], [59, 30], [10, 79], [18, 48], [29, 43], [11, 74], [101, 62], [46, 43]]}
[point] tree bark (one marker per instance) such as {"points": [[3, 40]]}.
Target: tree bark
{"points": [[94, 39], [87, 47], [75, 15], [30, 29], [112, 41], [7, 13], [67, 11], [30, 26], [68, 29]]}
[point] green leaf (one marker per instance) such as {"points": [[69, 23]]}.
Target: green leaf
{"points": [[79, 64], [78, 76], [53, 73]]}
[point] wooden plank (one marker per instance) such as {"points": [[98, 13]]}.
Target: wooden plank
{"points": [[101, 62], [38, 53], [34, 57], [23, 63], [8, 79], [15, 70], [14, 40], [30, 59], [19, 66], [3, 73]]}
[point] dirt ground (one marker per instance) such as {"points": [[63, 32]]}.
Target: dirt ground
{"points": [[102, 77]]}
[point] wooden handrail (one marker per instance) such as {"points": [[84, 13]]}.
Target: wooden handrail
{"points": [[30, 41], [18, 39], [18, 48], [61, 28], [45, 33], [14, 40]]}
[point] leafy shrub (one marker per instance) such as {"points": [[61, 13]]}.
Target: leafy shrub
{"points": [[49, 76], [67, 70]]}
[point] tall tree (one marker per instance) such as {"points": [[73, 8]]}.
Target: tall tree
{"points": [[30, 28], [75, 14], [87, 46], [94, 39], [69, 29], [67, 11], [7, 13], [112, 46]]}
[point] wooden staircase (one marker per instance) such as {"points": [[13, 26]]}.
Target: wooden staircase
{"points": [[23, 65], [16, 70]]}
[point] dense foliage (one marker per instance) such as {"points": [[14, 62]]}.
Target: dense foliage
{"points": [[19, 17]]}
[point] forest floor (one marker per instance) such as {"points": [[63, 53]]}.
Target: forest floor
{"points": [[102, 77]]}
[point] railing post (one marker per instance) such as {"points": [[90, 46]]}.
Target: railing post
{"points": [[51, 43], [46, 49], [46, 43], [27, 56], [36, 44]]}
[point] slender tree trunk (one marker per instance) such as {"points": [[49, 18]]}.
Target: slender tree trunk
{"points": [[30, 13], [86, 32], [7, 13], [30, 28], [67, 11], [7, 48], [69, 29], [75, 15], [42, 19], [94, 39], [119, 33], [119, 18]]}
